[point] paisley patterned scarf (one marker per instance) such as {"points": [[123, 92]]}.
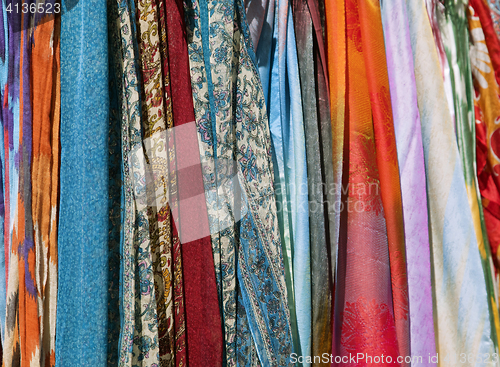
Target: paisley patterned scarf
{"points": [[232, 124]]}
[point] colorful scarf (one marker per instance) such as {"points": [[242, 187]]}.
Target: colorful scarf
{"points": [[45, 175], [487, 104], [454, 33], [412, 171], [459, 286], [319, 165], [202, 317], [280, 78], [495, 14], [336, 41], [225, 79], [83, 239], [373, 241]]}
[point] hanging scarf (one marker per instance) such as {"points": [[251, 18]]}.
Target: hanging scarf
{"points": [[435, 10], [337, 75], [278, 66], [202, 317], [492, 41], [22, 329], [45, 176], [390, 190], [412, 170], [374, 213], [114, 188], [487, 104], [221, 84], [4, 154], [455, 256], [318, 141], [495, 14], [456, 43], [157, 114], [285, 91], [83, 253]]}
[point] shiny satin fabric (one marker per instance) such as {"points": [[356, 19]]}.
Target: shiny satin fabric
{"points": [[337, 75], [364, 303], [386, 152], [462, 316], [454, 33], [410, 153], [492, 39], [487, 108]]}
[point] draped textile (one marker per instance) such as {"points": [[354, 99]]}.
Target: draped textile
{"points": [[495, 14], [487, 103], [82, 299], [318, 141], [336, 41], [22, 327], [125, 110], [291, 123], [45, 77], [203, 322], [157, 117], [232, 125], [454, 33], [317, 235], [171, 269], [4, 157], [385, 143], [114, 187], [436, 10], [408, 134], [492, 39], [459, 288], [278, 67], [365, 304]]}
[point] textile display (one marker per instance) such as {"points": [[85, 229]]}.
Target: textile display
{"points": [[253, 183]]}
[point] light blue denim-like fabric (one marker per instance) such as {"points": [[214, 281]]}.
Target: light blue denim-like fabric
{"points": [[276, 56], [82, 304]]}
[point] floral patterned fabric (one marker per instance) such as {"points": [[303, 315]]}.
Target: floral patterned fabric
{"points": [[232, 126]]}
